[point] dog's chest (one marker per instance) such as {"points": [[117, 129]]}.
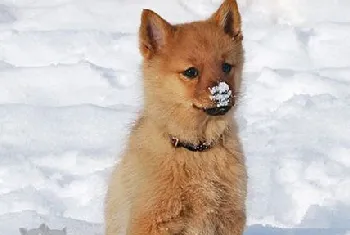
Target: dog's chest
{"points": [[207, 187], [207, 195]]}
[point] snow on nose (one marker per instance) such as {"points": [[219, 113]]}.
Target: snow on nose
{"points": [[220, 94]]}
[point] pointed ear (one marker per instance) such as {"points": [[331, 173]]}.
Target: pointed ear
{"points": [[44, 228], [229, 18], [23, 231], [154, 33]]}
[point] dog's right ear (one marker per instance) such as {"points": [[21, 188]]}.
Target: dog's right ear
{"points": [[154, 33]]}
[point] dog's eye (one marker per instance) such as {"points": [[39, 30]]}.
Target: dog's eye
{"points": [[226, 68], [191, 72]]}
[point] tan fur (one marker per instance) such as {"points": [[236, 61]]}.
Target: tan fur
{"points": [[157, 189]]}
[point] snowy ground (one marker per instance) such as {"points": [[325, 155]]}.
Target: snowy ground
{"points": [[70, 87]]}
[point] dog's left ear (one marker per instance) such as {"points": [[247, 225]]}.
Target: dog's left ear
{"points": [[229, 18]]}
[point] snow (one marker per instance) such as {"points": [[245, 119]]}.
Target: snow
{"points": [[70, 88], [43, 230], [221, 94]]}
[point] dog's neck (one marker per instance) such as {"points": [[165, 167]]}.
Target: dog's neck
{"points": [[208, 130]]}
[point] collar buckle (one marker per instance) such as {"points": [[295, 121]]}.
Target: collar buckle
{"points": [[175, 141]]}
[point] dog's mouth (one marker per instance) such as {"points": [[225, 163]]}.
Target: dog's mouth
{"points": [[214, 111], [217, 111]]}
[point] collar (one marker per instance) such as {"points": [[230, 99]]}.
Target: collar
{"points": [[201, 147]]}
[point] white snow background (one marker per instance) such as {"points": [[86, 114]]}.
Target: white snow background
{"points": [[70, 88]]}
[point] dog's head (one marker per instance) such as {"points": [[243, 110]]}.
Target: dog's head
{"points": [[194, 67]]}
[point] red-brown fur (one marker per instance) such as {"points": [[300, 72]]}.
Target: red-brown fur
{"points": [[156, 188]]}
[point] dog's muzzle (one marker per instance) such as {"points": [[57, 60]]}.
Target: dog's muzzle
{"points": [[217, 111]]}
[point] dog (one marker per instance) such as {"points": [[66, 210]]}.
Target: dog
{"points": [[183, 169], [43, 230]]}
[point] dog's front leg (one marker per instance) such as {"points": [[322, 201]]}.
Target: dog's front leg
{"points": [[157, 216], [234, 224]]}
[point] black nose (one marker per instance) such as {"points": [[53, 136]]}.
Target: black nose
{"points": [[217, 111]]}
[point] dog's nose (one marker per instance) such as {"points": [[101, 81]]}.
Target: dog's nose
{"points": [[217, 111]]}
